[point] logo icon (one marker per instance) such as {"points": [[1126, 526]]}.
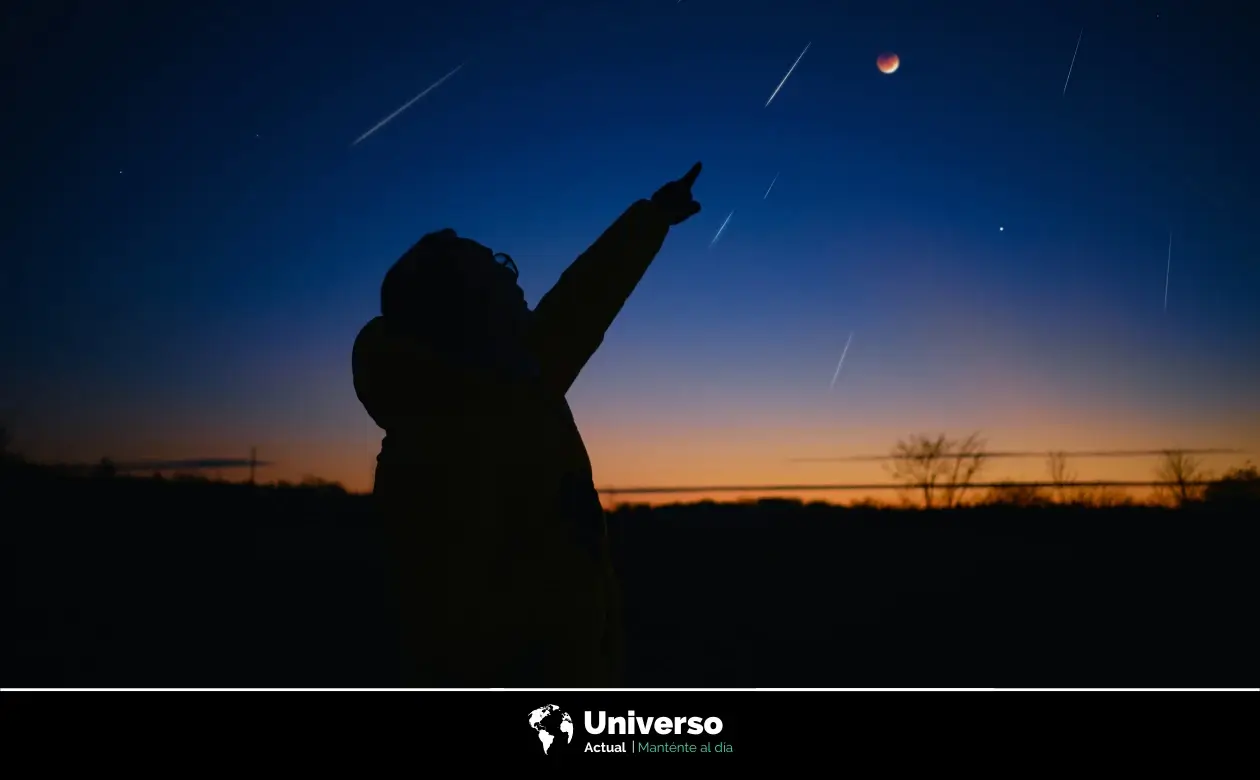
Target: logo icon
{"points": [[550, 722]]}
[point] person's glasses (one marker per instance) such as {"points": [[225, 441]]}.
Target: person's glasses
{"points": [[507, 262]]}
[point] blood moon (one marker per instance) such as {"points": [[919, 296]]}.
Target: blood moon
{"points": [[888, 62]]}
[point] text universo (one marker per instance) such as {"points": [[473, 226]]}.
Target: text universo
{"points": [[632, 724]]}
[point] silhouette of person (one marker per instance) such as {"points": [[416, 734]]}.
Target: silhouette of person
{"points": [[497, 535]]}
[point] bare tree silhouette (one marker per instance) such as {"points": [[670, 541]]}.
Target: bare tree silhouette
{"points": [[105, 468], [940, 469], [9, 453], [1061, 476], [1180, 471], [1101, 496], [1239, 485], [1015, 495], [318, 483]]}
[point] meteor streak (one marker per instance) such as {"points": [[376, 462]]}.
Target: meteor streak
{"points": [[1168, 271], [406, 105], [841, 363], [772, 181], [719, 232], [1074, 51], [789, 73]]}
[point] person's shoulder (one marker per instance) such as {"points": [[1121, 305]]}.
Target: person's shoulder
{"points": [[390, 372], [374, 333], [374, 328], [379, 345], [373, 339]]}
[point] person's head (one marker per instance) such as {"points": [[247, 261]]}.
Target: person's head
{"points": [[455, 293]]}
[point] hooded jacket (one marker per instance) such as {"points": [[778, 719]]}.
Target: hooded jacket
{"points": [[496, 530]]}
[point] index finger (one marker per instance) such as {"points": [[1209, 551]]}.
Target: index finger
{"points": [[690, 177]]}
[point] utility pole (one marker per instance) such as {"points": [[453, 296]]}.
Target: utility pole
{"points": [[253, 461]]}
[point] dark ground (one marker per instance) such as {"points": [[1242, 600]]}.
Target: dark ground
{"points": [[114, 582]]}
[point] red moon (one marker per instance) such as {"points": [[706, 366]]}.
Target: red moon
{"points": [[888, 63]]}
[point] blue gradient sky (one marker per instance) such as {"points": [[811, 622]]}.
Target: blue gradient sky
{"points": [[192, 243]]}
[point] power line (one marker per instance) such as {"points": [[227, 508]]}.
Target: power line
{"points": [[192, 464], [887, 486], [1016, 454]]}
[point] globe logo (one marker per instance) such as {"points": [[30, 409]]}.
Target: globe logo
{"points": [[550, 722]]}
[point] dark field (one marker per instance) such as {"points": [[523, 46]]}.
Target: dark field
{"points": [[114, 582]]}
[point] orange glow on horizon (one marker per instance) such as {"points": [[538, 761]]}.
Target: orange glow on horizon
{"points": [[651, 456], [693, 429]]}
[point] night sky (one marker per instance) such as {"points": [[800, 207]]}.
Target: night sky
{"points": [[191, 243]]}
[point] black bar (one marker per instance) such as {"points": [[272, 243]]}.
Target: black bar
{"points": [[843, 730]]}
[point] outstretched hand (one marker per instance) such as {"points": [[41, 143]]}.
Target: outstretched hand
{"points": [[675, 200]]}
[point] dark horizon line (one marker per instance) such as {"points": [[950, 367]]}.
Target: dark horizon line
{"points": [[888, 486], [1033, 454], [190, 464]]}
